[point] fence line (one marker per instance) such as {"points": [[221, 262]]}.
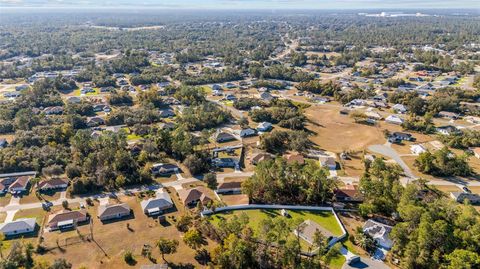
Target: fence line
{"points": [[290, 207]]}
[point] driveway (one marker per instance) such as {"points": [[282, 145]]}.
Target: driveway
{"points": [[366, 263], [385, 150]]}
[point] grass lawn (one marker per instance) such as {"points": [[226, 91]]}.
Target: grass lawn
{"points": [[337, 262], [228, 103], [37, 213], [324, 218], [5, 199]]}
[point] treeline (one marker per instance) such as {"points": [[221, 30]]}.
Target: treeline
{"points": [[431, 230]]}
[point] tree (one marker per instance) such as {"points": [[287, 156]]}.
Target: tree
{"points": [[128, 258], [167, 246], [193, 238], [211, 180], [65, 204], [463, 259]]}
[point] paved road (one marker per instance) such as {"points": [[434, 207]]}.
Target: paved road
{"points": [[392, 154], [13, 207]]}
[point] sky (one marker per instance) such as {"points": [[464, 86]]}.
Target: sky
{"points": [[247, 4]]}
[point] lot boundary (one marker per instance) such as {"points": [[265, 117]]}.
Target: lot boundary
{"points": [[287, 207]]}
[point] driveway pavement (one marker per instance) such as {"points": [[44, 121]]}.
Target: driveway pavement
{"points": [[366, 263], [385, 150]]}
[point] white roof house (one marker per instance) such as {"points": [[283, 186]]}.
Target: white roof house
{"points": [[155, 206], [20, 226], [394, 119], [417, 149], [380, 232], [399, 108], [264, 126]]}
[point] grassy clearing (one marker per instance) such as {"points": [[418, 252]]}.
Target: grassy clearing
{"points": [[324, 218]]}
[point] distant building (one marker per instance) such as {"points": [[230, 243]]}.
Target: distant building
{"points": [[309, 228], [394, 119], [229, 187], [264, 127], [349, 193], [417, 149]]}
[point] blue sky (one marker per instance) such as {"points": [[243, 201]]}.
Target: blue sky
{"points": [[249, 4]]}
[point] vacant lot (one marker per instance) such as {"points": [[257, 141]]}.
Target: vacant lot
{"points": [[324, 218], [235, 199], [337, 133]]}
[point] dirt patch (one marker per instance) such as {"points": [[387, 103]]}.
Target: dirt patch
{"points": [[335, 132], [235, 199]]}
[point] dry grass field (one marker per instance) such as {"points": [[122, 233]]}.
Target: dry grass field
{"points": [[337, 133], [111, 240]]}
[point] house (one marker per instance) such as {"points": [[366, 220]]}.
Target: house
{"points": [[95, 121], [294, 158], [229, 187], [19, 226], [3, 143], [399, 108], [66, 219], [155, 206], [247, 132], [261, 156], [349, 193], [230, 97], [167, 125], [101, 107], [53, 110], [379, 232], [164, 169], [448, 115], [216, 87], [163, 84], [224, 137], [52, 184], [191, 197], [460, 197], [403, 136], [447, 130], [19, 185], [394, 119], [74, 100], [167, 113], [417, 149], [225, 162], [328, 161], [230, 85], [21, 87], [266, 96], [309, 228], [217, 92], [113, 211], [264, 126], [373, 115]]}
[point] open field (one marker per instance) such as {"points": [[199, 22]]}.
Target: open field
{"points": [[324, 218], [234, 199], [329, 126]]}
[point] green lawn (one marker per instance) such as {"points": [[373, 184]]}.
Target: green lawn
{"points": [[324, 218]]}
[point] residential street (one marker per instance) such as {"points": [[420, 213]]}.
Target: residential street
{"points": [[389, 152]]}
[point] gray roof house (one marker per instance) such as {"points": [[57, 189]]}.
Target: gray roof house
{"points": [[462, 196], [155, 206], [113, 211], [20, 226]]}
